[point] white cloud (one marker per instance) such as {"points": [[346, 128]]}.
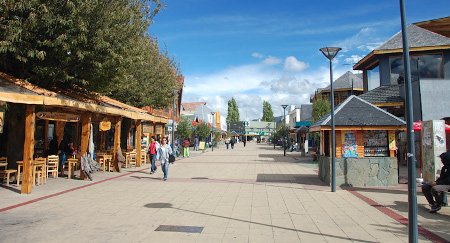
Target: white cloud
{"points": [[252, 83], [257, 55], [291, 64], [353, 59], [270, 60]]}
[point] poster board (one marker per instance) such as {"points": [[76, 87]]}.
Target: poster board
{"points": [[201, 145], [433, 144], [349, 145]]}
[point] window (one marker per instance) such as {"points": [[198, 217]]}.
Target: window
{"points": [[428, 66], [373, 78]]}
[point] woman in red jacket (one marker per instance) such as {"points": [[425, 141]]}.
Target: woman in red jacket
{"points": [[152, 150]]}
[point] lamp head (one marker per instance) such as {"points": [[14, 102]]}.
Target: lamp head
{"points": [[284, 106], [330, 52]]}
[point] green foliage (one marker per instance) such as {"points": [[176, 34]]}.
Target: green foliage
{"points": [[320, 108], [233, 111], [267, 112], [202, 131], [217, 137], [184, 128], [99, 45]]}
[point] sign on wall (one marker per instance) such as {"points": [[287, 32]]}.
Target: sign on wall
{"points": [[349, 145], [147, 128], [105, 125], [57, 116], [159, 129]]}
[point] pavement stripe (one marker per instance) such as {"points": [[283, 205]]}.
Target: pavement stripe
{"points": [[64, 192], [399, 218]]}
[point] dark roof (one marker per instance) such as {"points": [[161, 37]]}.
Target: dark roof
{"points": [[345, 82], [417, 37], [440, 26], [355, 111], [383, 94]]}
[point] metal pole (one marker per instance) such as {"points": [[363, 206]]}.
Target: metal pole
{"points": [[412, 194], [284, 131], [173, 124], [212, 133], [274, 132], [333, 137]]}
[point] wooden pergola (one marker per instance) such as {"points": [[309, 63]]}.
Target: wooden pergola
{"points": [[18, 91]]}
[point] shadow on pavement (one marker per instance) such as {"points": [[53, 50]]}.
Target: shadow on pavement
{"points": [[168, 205], [304, 179], [377, 190]]}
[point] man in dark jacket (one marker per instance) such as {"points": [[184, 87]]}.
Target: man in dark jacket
{"points": [[442, 184]]}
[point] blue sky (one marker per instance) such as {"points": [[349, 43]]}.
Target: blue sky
{"points": [[269, 50]]}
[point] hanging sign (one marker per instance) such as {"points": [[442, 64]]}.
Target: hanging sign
{"points": [[2, 119], [57, 116], [147, 128], [105, 125], [159, 129]]}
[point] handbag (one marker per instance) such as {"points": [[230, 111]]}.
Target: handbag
{"points": [[171, 158]]}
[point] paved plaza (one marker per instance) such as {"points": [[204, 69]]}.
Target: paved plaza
{"points": [[250, 194]]}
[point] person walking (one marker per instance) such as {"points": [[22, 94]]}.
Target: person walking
{"points": [[196, 142], [164, 153], [436, 188], [152, 150], [227, 142], [186, 144], [244, 140], [232, 142]]}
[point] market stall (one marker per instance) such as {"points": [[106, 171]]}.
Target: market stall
{"points": [[365, 144]]}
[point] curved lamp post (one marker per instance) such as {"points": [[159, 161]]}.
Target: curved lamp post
{"points": [[330, 53], [284, 128]]}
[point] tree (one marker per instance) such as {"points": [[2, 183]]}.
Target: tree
{"points": [[87, 47], [202, 130], [184, 128], [267, 112], [320, 108], [233, 111]]}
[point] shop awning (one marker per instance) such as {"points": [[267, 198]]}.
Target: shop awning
{"points": [[21, 92]]}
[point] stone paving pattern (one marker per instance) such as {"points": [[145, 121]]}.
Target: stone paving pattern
{"points": [[250, 194]]}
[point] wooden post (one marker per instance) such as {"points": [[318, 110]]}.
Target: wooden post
{"points": [[117, 129], [85, 132], [28, 149], [60, 130], [46, 136], [138, 142]]}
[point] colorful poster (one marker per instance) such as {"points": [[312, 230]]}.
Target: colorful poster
{"points": [[392, 145], [349, 146]]}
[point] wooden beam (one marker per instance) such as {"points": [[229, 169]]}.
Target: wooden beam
{"points": [[28, 149], [138, 142], [85, 132], [117, 129]]}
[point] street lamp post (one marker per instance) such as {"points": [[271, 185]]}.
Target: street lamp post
{"points": [[274, 132], [284, 128], [412, 194], [212, 131], [330, 53], [173, 118]]}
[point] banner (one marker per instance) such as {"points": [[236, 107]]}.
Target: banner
{"points": [[147, 128], [159, 129]]}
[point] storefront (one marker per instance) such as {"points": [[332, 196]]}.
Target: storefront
{"points": [[365, 144], [35, 119]]}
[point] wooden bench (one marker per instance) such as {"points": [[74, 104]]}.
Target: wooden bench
{"points": [[6, 174]]}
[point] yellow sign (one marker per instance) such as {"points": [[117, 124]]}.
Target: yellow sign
{"points": [[57, 116], [105, 125], [201, 145], [391, 137]]}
